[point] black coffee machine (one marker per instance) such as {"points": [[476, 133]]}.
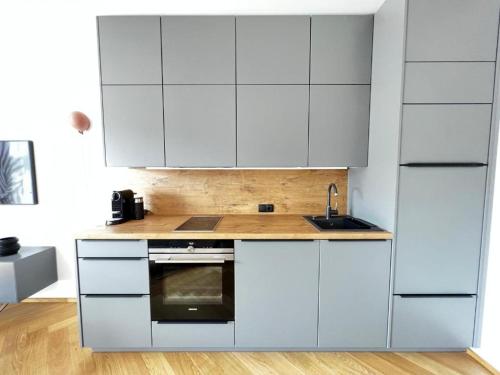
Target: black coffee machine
{"points": [[124, 207]]}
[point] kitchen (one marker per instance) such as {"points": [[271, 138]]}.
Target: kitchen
{"points": [[266, 122]]}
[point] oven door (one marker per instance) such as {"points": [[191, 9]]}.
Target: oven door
{"points": [[192, 287]]}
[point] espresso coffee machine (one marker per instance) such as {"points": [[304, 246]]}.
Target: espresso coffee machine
{"points": [[122, 207]]}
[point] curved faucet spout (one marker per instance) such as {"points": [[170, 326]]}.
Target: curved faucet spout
{"points": [[329, 212]]}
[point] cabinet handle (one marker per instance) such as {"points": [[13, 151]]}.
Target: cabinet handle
{"points": [[277, 240], [464, 164], [111, 258], [435, 295], [115, 295]]}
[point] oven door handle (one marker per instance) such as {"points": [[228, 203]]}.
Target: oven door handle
{"points": [[219, 261]]}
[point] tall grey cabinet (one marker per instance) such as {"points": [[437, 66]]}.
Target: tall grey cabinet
{"points": [[431, 133]]}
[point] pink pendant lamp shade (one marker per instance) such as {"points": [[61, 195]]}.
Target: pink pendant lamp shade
{"points": [[80, 121]]}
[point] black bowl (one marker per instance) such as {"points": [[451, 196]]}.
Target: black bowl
{"points": [[11, 250], [8, 240]]}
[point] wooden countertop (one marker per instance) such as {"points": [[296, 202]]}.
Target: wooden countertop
{"points": [[278, 227]]}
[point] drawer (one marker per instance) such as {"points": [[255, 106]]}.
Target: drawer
{"points": [[112, 248], [449, 82], [193, 335], [113, 276], [445, 133], [116, 321], [440, 221], [433, 322]]}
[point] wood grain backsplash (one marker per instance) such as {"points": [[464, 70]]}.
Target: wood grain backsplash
{"points": [[195, 191]]}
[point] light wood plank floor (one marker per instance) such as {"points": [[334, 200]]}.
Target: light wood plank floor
{"points": [[42, 338]]}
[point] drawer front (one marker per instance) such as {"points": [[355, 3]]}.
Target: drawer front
{"points": [[464, 82], [116, 322], [445, 133], [113, 276], [112, 248], [196, 335], [440, 218], [433, 322]]}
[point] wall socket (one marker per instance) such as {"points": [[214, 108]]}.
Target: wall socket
{"points": [[266, 207]]}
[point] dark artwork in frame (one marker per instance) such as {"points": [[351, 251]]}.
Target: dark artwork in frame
{"points": [[17, 173]]}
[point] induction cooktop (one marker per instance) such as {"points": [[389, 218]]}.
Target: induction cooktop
{"points": [[199, 224]]}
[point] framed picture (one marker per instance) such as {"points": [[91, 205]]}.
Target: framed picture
{"points": [[17, 173]]}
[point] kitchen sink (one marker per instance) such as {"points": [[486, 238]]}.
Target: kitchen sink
{"points": [[340, 222]]}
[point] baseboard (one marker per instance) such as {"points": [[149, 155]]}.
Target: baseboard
{"points": [[482, 361]]}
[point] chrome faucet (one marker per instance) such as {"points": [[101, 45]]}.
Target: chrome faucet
{"points": [[329, 212]]}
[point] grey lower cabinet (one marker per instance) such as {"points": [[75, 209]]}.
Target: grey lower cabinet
{"points": [[450, 30], [272, 49], [354, 294], [437, 322], [448, 133], [198, 49], [272, 125], [439, 229], [449, 82], [338, 125], [200, 125], [133, 125], [341, 49], [115, 321], [193, 335], [130, 49], [276, 292]]}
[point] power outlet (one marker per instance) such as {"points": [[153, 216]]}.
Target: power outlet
{"points": [[266, 207]]}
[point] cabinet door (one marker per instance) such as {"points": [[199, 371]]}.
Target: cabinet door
{"points": [[276, 290], [451, 30], [116, 322], [338, 125], [341, 49], [133, 126], [440, 219], [463, 82], [272, 125], [130, 49], [198, 49], [200, 125], [354, 294], [272, 49], [433, 322], [450, 133]]}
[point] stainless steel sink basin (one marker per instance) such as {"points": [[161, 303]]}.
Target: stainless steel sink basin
{"points": [[341, 222]]}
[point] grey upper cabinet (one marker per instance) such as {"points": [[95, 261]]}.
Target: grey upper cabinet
{"points": [[354, 294], [198, 49], [341, 49], [338, 125], [130, 49], [276, 291], [458, 82], [133, 126], [451, 30], [200, 126], [433, 322], [272, 49], [440, 220], [272, 125], [450, 133]]}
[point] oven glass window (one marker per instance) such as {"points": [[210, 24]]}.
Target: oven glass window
{"points": [[192, 285]]}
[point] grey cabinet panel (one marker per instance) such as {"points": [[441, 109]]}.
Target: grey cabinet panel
{"points": [[276, 290], [341, 49], [460, 82], [440, 218], [116, 322], [115, 276], [433, 322], [133, 126], [338, 125], [445, 133], [451, 30], [112, 248], [196, 335], [130, 49], [272, 125], [200, 125], [272, 49], [198, 49], [354, 294]]}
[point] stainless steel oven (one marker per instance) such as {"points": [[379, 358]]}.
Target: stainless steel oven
{"points": [[191, 281]]}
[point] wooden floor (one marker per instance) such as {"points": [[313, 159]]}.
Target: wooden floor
{"points": [[42, 338]]}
